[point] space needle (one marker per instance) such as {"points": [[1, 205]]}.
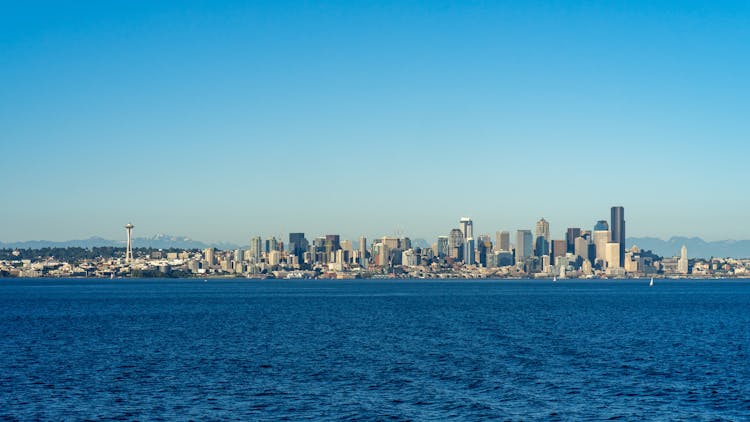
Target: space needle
{"points": [[129, 249]]}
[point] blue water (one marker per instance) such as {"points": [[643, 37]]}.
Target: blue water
{"points": [[138, 349]]}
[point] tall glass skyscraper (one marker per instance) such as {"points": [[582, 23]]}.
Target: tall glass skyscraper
{"points": [[617, 227], [523, 245]]}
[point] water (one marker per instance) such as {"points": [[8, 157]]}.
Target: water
{"points": [[138, 349]]}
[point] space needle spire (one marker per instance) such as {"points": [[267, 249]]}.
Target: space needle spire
{"points": [[129, 249]]}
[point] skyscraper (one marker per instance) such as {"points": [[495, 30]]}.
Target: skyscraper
{"points": [[256, 247], [612, 255], [601, 238], [469, 251], [362, 250], [570, 238], [541, 238], [332, 243], [298, 246], [582, 247], [617, 226], [559, 249], [456, 244], [502, 241], [523, 245], [467, 227], [442, 246], [542, 229], [682, 263]]}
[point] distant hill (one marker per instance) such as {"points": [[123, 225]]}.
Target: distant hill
{"points": [[696, 247], [159, 241]]}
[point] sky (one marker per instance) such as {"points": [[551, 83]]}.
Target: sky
{"points": [[223, 120]]}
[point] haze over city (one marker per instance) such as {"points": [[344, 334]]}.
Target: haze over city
{"points": [[224, 120]]}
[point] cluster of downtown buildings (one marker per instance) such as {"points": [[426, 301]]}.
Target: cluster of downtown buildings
{"points": [[600, 252]]}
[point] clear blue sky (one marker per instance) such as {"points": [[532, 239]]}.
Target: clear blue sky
{"points": [[221, 120]]}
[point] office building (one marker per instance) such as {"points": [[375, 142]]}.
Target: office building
{"points": [[542, 230], [469, 251], [332, 243], [362, 250], [582, 248], [298, 245], [570, 238], [467, 227], [523, 245], [456, 244], [612, 255], [601, 238], [617, 229], [682, 263], [502, 241], [442, 247], [559, 249], [256, 247]]}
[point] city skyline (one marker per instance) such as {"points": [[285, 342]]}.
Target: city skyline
{"points": [[218, 120], [597, 253]]}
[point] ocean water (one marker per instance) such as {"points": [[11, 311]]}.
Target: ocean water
{"points": [[402, 350]]}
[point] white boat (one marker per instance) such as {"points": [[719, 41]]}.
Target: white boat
{"points": [[651, 283], [554, 278]]}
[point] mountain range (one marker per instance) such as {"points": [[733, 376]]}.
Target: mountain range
{"points": [[697, 247], [159, 241]]}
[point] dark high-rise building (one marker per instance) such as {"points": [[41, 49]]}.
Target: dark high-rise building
{"points": [[559, 248], [617, 227], [298, 246], [570, 238], [333, 243], [541, 246]]}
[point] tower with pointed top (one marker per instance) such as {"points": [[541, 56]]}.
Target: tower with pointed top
{"points": [[129, 248]]}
